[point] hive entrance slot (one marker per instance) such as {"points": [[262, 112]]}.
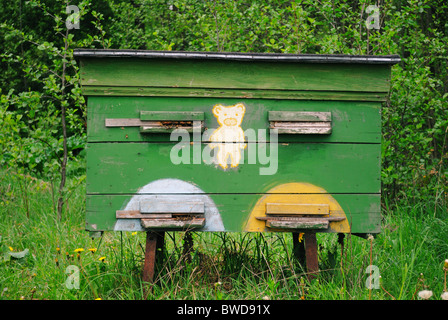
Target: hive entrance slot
{"points": [[300, 122], [167, 215], [298, 216], [162, 121]]}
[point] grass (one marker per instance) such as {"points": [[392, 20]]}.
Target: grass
{"points": [[409, 255]]}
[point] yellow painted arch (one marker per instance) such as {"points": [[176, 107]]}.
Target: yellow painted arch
{"points": [[304, 193]]}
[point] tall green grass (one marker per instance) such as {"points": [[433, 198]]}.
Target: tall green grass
{"points": [[409, 255]]}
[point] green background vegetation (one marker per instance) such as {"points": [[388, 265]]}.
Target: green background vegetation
{"points": [[40, 83]]}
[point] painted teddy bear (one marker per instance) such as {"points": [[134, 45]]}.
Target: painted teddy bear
{"points": [[229, 137]]}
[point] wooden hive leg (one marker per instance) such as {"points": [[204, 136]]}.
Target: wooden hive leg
{"points": [[312, 264], [154, 249]]}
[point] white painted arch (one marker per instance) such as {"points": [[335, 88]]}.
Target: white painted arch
{"points": [[171, 190]]}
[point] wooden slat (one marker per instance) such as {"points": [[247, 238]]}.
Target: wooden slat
{"points": [[171, 207], [298, 224], [235, 75], [302, 127], [298, 122], [169, 126], [294, 208], [302, 116], [171, 115], [297, 218], [162, 129], [125, 122], [172, 223], [135, 214], [232, 93], [165, 125], [155, 126]]}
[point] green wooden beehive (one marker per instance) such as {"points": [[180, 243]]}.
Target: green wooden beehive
{"points": [[233, 141]]}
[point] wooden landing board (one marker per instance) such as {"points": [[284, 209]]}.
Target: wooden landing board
{"points": [[173, 223], [295, 209], [305, 223], [297, 218]]}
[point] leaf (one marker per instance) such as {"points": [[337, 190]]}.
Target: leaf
{"points": [[19, 255]]}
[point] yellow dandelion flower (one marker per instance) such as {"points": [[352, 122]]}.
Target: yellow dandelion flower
{"points": [[98, 299], [301, 236], [93, 250], [11, 249], [134, 233], [58, 249], [79, 250], [102, 259]]}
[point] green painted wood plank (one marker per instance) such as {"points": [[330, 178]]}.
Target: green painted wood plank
{"points": [[337, 168], [139, 91], [362, 210], [234, 74], [351, 121]]}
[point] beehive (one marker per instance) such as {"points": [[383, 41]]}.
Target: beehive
{"points": [[233, 141]]}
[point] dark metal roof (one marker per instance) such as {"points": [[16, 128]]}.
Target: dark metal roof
{"points": [[306, 58]]}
